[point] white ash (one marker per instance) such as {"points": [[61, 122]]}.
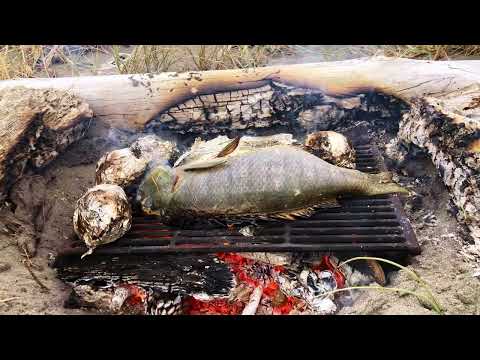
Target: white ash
{"points": [[205, 297], [102, 215], [120, 295], [247, 231], [395, 151], [354, 277], [252, 305], [311, 287]]}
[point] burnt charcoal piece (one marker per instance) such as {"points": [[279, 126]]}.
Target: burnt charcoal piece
{"points": [[416, 202], [361, 133], [183, 273]]}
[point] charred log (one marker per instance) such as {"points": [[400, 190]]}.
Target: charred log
{"points": [[183, 274], [451, 141], [266, 106], [35, 126], [131, 101]]}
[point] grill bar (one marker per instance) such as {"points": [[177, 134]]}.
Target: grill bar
{"points": [[369, 224]]}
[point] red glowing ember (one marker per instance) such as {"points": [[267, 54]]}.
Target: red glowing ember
{"points": [[272, 296], [213, 307], [137, 294]]}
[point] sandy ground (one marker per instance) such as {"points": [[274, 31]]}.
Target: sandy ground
{"points": [[440, 264], [69, 176]]}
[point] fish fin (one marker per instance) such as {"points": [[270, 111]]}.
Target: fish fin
{"points": [[328, 203], [306, 212], [181, 159], [175, 182], [204, 164], [229, 148]]}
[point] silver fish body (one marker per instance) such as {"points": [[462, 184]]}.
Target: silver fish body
{"points": [[278, 180]]}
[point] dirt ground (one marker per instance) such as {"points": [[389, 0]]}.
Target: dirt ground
{"points": [[441, 263]]}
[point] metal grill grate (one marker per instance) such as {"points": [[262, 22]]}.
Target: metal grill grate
{"points": [[374, 224]]}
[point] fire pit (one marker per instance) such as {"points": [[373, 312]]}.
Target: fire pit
{"points": [[161, 269]]}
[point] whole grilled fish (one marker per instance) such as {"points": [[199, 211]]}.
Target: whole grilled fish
{"points": [[276, 182]]}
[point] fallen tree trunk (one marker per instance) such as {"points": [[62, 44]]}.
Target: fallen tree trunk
{"points": [[132, 101]]}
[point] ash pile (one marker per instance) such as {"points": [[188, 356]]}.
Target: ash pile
{"points": [[245, 283]]}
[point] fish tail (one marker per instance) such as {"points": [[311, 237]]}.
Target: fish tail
{"points": [[382, 184], [383, 177]]}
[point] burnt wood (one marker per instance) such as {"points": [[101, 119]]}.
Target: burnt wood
{"points": [[184, 274]]}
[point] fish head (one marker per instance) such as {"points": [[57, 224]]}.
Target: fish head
{"points": [[155, 191]]}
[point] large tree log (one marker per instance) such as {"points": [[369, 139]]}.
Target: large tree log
{"points": [[132, 101]]}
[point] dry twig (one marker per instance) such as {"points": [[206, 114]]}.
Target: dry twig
{"points": [[8, 299], [29, 264]]}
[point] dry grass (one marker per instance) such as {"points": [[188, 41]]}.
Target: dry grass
{"points": [[158, 58], [234, 56], [146, 59], [19, 60], [432, 52]]}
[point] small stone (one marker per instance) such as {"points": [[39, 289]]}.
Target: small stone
{"points": [[467, 295]]}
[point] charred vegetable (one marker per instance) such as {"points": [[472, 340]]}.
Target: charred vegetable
{"points": [[102, 215]]}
